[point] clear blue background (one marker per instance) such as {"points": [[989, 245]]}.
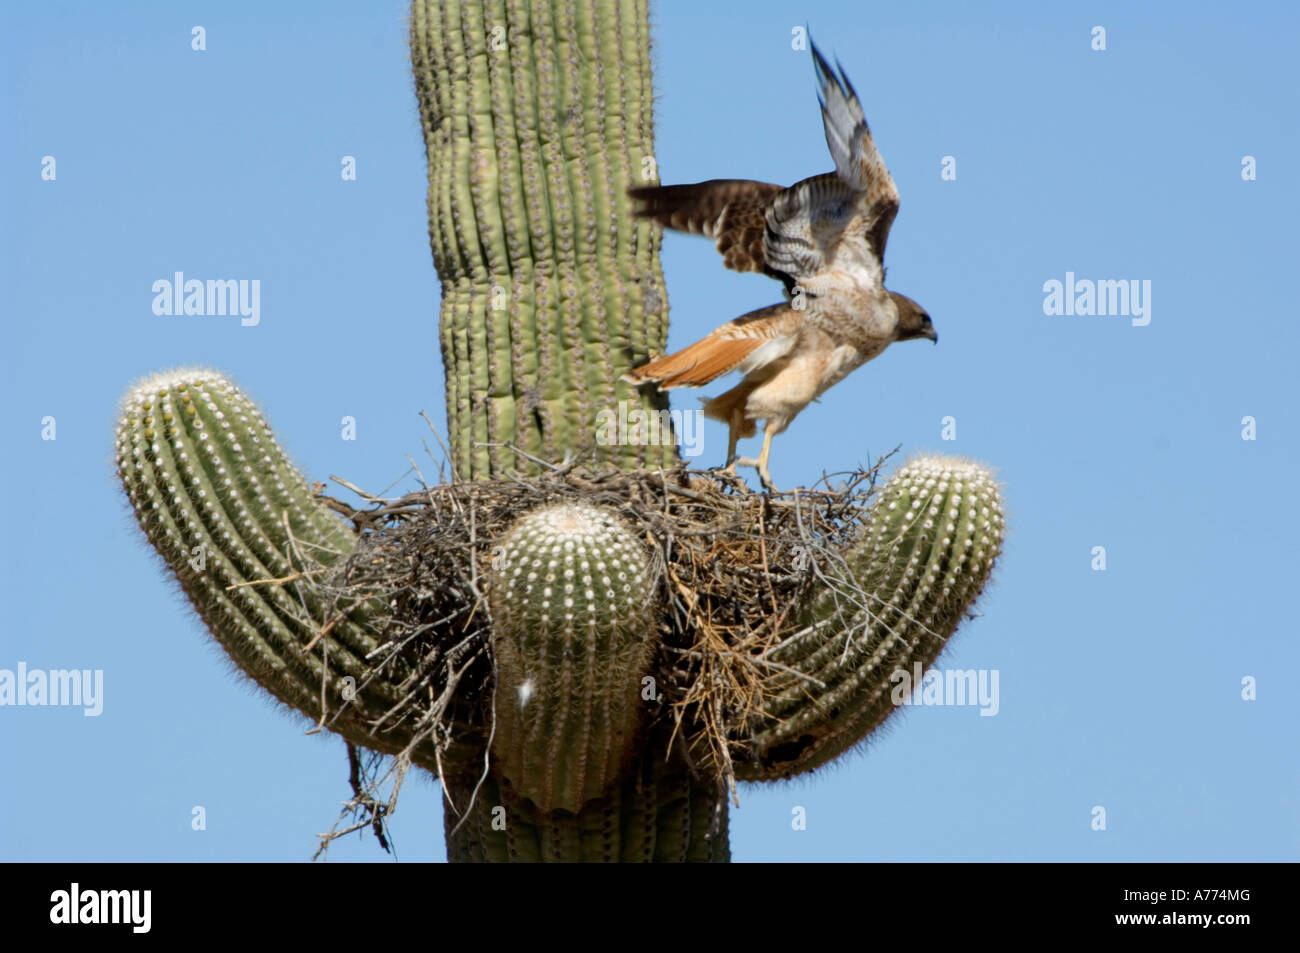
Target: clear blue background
{"points": [[1118, 688]]}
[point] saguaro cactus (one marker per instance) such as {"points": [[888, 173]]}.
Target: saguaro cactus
{"points": [[553, 630]]}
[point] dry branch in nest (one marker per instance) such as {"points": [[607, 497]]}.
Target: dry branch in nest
{"points": [[733, 568]]}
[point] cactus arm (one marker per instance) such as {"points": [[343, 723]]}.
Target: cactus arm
{"points": [[573, 620], [934, 534], [232, 517]]}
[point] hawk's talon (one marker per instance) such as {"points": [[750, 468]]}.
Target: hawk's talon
{"points": [[729, 475], [763, 476]]}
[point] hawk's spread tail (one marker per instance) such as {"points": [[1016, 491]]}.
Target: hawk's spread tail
{"points": [[749, 342], [701, 363]]}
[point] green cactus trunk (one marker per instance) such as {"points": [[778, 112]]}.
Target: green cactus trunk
{"points": [[537, 117]]}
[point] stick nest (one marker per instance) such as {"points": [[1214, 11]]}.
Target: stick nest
{"points": [[733, 570]]}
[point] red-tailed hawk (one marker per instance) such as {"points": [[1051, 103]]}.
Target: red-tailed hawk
{"points": [[824, 239]]}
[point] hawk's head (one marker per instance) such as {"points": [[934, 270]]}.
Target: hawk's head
{"points": [[913, 322]]}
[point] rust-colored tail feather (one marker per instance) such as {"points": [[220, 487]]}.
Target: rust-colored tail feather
{"points": [[704, 361]]}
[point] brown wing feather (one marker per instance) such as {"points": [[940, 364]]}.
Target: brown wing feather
{"points": [[722, 351], [730, 211]]}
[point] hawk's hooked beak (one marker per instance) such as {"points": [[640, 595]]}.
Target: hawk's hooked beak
{"points": [[933, 335]]}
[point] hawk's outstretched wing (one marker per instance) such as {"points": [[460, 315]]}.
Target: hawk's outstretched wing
{"points": [[857, 161], [837, 220], [810, 223], [731, 211], [746, 344]]}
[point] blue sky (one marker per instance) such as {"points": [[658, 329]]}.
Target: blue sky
{"points": [[1119, 688]]}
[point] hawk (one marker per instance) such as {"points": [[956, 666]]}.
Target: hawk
{"points": [[824, 240]]}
